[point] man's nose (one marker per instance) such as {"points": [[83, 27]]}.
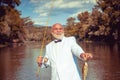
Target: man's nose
{"points": [[59, 30]]}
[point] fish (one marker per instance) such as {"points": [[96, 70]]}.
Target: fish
{"points": [[84, 70]]}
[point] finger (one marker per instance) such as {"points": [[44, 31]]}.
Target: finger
{"points": [[39, 64], [45, 59], [84, 56], [89, 56], [40, 56], [39, 59]]}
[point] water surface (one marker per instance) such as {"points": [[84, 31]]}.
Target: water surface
{"points": [[19, 62]]}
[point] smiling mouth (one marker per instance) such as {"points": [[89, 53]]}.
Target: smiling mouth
{"points": [[59, 33]]}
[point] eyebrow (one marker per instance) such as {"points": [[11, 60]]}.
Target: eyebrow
{"points": [[58, 28]]}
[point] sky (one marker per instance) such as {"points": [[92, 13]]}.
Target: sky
{"points": [[48, 12]]}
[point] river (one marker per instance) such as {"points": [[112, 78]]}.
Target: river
{"points": [[18, 62]]}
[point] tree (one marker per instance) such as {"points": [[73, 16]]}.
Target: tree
{"points": [[71, 28], [10, 19], [10, 3], [70, 21], [112, 9], [84, 23]]}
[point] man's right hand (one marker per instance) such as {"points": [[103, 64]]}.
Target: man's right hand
{"points": [[39, 60]]}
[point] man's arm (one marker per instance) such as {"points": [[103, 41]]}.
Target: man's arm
{"points": [[76, 49], [79, 52]]}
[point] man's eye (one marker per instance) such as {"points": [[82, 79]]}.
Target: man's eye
{"points": [[58, 28], [55, 29]]}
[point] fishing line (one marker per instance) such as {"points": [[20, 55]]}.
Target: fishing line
{"points": [[45, 31]]}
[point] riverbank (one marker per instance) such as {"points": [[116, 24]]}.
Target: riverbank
{"points": [[39, 43]]}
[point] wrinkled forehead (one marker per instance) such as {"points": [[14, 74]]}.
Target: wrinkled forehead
{"points": [[57, 26]]}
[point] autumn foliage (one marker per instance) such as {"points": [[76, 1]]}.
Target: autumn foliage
{"points": [[102, 24]]}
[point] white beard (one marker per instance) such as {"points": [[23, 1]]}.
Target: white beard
{"points": [[58, 36]]}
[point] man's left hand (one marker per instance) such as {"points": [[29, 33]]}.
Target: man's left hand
{"points": [[86, 56]]}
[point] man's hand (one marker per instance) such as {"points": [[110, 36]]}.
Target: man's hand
{"points": [[86, 56], [41, 60]]}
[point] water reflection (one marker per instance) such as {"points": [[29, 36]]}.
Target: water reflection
{"points": [[19, 62], [106, 62]]}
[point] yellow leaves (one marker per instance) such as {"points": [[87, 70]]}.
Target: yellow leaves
{"points": [[83, 16], [71, 31], [108, 10]]}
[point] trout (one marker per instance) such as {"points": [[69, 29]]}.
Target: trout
{"points": [[84, 70]]}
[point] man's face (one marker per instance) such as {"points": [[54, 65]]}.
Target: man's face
{"points": [[57, 31]]}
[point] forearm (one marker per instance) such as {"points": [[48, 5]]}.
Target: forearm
{"points": [[77, 50]]}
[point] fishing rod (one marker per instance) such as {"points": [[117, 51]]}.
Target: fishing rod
{"points": [[45, 31]]}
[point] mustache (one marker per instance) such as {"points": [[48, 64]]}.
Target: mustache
{"points": [[60, 33], [58, 36]]}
